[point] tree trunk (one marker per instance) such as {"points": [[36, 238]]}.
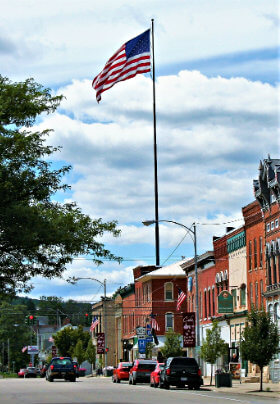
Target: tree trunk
{"points": [[261, 386], [211, 374]]}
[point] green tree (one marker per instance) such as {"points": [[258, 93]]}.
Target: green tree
{"points": [[214, 346], [172, 344], [38, 236], [260, 340], [51, 306], [149, 349], [78, 352], [14, 335], [67, 338], [91, 354]]}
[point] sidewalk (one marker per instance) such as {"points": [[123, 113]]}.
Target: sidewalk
{"points": [[271, 390]]}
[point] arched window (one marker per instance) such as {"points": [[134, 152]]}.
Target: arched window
{"points": [[276, 313], [168, 291], [169, 321]]}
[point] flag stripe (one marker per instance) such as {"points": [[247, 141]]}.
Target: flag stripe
{"points": [[121, 66], [181, 297]]}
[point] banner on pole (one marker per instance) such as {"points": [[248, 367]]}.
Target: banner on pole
{"points": [[100, 342], [188, 330]]}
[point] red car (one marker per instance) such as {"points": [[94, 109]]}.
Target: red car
{"points": [[21, 372], [121, 372], [155, 375]]}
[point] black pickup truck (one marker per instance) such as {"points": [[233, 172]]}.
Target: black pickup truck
{"points": [[61, 368], [181, 371]]}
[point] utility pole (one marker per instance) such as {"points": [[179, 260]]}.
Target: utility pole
{"points": [[105, 327]]}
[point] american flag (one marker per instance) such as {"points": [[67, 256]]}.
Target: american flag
{"points": [[132, 58], [181, 297], [154, 323], [95, 322], [24, 349]]}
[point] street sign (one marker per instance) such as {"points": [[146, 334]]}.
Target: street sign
{"points": [[225, 302], [142, 345], [141, 332], [149, 337]]}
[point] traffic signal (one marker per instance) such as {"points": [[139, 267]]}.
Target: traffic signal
{"points": [[107, 350], [87, 319]]}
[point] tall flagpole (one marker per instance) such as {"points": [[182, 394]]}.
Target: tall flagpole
{"points": [[155, 154]]}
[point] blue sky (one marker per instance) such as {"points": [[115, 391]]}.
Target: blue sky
{"points": [[217, 68]]}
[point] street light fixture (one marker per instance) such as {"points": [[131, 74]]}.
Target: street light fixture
{"points": [[73, 281], [192, 232]]}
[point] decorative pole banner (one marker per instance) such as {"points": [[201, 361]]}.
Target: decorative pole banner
{"points": [[189, 330]]}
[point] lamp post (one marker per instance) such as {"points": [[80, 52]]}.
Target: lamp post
{"points": [[192, 232], [74, 279]]}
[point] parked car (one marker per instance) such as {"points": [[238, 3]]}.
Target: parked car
{"points": [[43, 370], [21, 372], [155, 375], [121, 372], [141, 371], [181, 371], [30, 372], [61, 368]]}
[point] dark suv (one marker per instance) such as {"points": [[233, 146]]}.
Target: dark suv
{"points": [[141, 371], [61, 368], [181, 371]]}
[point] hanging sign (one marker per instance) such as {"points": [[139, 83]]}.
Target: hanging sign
{"points": [[188, 330], [100, 336], [225, 302]]}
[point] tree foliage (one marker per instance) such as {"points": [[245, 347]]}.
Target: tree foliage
{"points": [[79, 352], [67, 339], [214, 346], [14, 335], [260, 339], [38, 236], [90, 354], [172, 344]]}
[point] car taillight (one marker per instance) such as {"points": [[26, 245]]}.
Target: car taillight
{"points": [[52, 366], [199, 372], [168, 371], [75, 366]]}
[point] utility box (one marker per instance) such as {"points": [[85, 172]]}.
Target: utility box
{"points": [[223, 380]]}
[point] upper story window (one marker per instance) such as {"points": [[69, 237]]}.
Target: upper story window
{"points": [[169, 321], [272, 226], [276, 223], [268, 227], [255, 254], [261, 251], [250, 255], [168, 291], [243, 295]]}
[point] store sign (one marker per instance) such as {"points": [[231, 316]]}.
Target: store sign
{"points": [[142, 345], [225, 302], [100, 336], [188, 330], [141, 332], [149, 336], [32, 350], [54, 351]]}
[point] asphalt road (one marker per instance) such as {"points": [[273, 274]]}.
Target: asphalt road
{"points": [[103, 391]]}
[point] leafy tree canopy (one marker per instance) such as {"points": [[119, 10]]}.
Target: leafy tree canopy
{"points": [[38, 236], [260, 339], [66, 340], [172, 345], [214, 346]]}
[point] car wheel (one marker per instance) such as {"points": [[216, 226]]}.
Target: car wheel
{"points": [[114, 380], [197, 387], [156, 385], [73, 379], [167, 386], [161, 385], [50, 379], [118, 380], [133, 382], [190, 386]]}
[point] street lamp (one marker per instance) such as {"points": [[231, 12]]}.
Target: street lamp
{"points": [[192, 232], [74, 280]]}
